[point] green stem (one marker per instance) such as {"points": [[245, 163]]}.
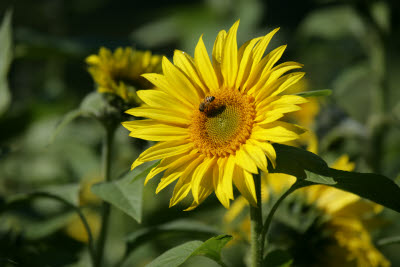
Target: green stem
{"points": [[257, 246], [106, 208], [65, 202], [271, 213]]}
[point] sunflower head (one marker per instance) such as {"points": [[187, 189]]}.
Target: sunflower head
{"points": [[119, 73], [216, 119]]}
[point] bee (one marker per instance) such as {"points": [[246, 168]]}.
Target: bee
{"points": [[203, 105]]}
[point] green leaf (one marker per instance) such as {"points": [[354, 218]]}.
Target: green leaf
{"points": [[178, 255], [277, 258], [311, 169], [212, 247], [183, 226], [324, 92], [124, 193], [5, 60]]}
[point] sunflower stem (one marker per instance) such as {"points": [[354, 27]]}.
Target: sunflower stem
{"points": [[106, 208], [268, 220], [257, 246]]}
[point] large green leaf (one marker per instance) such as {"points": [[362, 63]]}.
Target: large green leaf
{"points": [[212, 247], [313, 170], [186, 227], [5, 60], [178, 255], [125, 193]]}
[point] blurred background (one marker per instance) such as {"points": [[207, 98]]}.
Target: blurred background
{"points": [[351, 47]]}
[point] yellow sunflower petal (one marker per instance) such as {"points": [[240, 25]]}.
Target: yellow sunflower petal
{"points": [[205, 187], [245, 184], [168, 179], [229, 64], [163, 115], [245, 55], [280, 132], [163, 150], [183, 186], [262, 45], [198, 176], [257, 66], [204, 66], [177, 79], [279, 85], [228, 176], [161, 82], [158, 98], [269, 77], [186, 64], [93, 59], [220, 191], [268, 149], [155, 131], [217, 54], [170, 165], [257, 155], [245, 161]]}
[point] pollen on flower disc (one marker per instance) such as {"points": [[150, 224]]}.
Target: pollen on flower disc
{"points": [[225, 123]]}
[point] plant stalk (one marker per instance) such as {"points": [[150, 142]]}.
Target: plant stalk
{"points": [[271, 213], [257, 246], [106, 208]]}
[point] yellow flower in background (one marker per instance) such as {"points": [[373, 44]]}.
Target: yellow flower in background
{"points": [[88, 202], [77, 231], [347, 214], [309, 111], [305, 117], [120, 72], [216, 120]]}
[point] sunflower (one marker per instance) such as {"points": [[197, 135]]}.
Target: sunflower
{"points": [[216, 120], [119, 73], [339, 234]]}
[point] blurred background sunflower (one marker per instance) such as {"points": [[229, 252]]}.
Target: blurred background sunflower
{"points": [[119, 73]]}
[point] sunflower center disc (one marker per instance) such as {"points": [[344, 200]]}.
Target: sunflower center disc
{"points": [[224, 124]]}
